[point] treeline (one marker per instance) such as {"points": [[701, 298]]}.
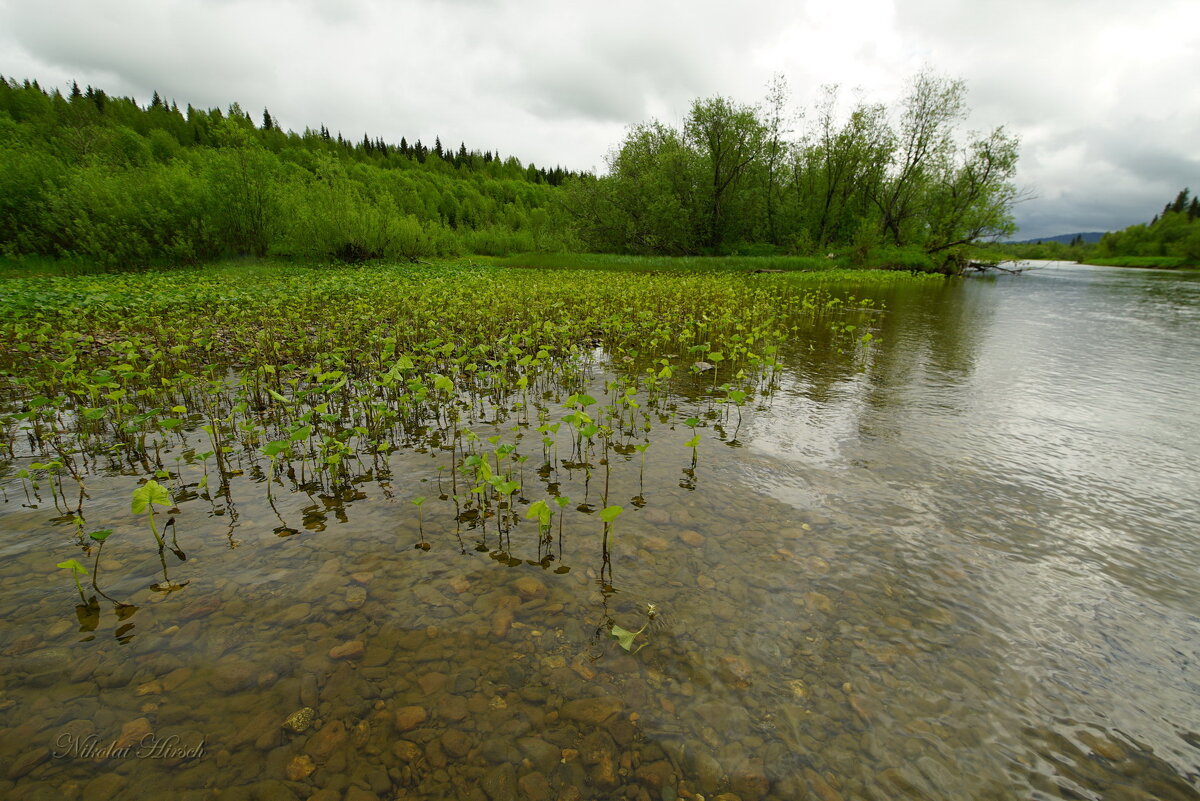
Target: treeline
{"points": [[1172, 234], [1170, 239], [881, 185], [100, 177]]}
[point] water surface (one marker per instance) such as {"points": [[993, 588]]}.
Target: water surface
{"points": [[964, 563]]}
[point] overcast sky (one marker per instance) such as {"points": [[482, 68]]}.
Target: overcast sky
{"points": [[1104, 93]]}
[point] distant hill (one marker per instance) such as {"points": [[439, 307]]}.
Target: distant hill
{"points": [[1089, 238]]}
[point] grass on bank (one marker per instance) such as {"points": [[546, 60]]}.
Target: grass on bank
{"points": [[903, 259], [1152, 262]]}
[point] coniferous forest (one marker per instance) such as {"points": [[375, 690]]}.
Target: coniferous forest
{"points": [[102, 178]]}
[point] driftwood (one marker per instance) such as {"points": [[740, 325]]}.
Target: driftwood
{"points": [[983, 267]]}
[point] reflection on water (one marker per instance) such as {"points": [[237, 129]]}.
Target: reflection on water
{"points": [[965, 566]]}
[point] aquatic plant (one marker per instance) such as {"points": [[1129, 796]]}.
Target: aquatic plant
{"points": [[313, 380], [76, 570], [143, 500]]}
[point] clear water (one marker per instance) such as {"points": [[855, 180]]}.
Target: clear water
{"points": [[966, 565]]}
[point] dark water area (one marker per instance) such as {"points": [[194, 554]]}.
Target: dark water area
{"points": [[962, 562]]}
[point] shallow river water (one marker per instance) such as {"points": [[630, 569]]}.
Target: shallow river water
{"points": [[962, 565]]}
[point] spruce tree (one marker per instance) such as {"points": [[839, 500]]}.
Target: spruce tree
{"points": [[1181, 201]]}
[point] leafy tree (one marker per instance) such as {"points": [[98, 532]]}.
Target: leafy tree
{"points": [[727, 138]]}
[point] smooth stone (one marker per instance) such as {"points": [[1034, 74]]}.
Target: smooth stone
{"points": [[301, 767], [295, 614], [591, 710], [103, 787], [309, 691], [750, 781], [535, 787], [529, 588], [692, 538], [409, 717], [655, 775], [273, 790], [500, 783], [821, 787], [708, 771], [348, 650], [818, 602], [328, 739], [499, 750], [542, 754], [233, 675], [453, 708], [356, 597], [27, 762], [133, 732], [432, 682], [456, 743], [407, 751]]}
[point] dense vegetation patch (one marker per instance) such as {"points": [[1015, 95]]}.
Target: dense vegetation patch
{"points": [[308, 380]]}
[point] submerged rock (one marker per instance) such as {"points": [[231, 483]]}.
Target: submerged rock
{"points": [[409, 717], [301, 767], [348, 650], [592, 710], [300, 720], [500, 783]]}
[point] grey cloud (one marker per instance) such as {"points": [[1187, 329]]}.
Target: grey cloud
{"points": [[1100, 92]]}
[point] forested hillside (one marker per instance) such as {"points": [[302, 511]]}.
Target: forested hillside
{"points": [[102, 178], [105, 179]]}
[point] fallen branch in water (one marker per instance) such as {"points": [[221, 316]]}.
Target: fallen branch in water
{"points": [[987, 266]]}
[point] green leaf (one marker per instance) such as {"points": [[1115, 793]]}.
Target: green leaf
{"points": [[73, 566], [693, 442], [273, 449], [610, 513], [302, 433], [625, 637], [148, 494], [277, 396], [540, 511], [417, 501], [101, 535]]}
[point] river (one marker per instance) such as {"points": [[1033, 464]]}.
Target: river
{"points": [[963, 562]]}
